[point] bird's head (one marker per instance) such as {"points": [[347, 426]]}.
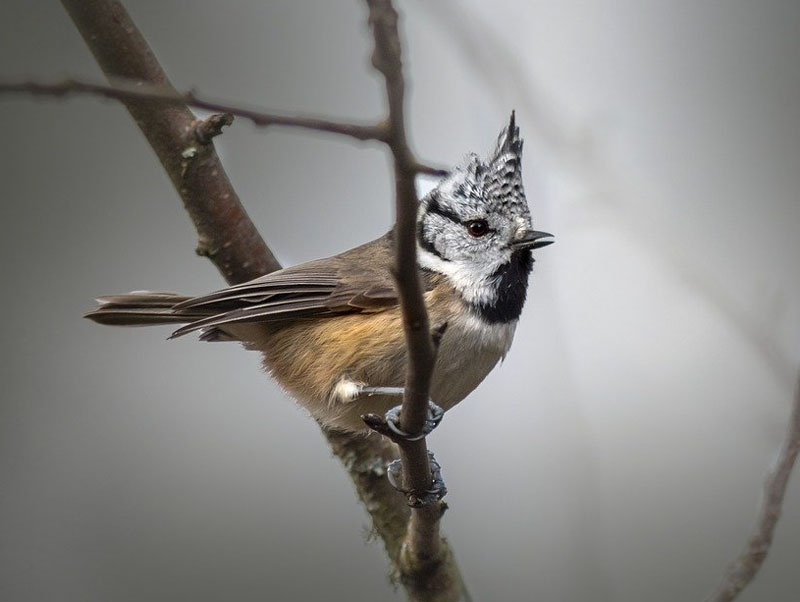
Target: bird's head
{"points": [[475, 226]]}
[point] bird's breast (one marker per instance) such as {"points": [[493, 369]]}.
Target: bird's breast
{"points": [[469, 350]]}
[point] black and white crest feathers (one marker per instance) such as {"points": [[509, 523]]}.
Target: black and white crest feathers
{"points": [[503, 178]]}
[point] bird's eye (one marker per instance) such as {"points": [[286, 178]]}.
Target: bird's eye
{"points": [[477, 227]]}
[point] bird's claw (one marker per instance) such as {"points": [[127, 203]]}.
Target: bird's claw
{"points": [[434, 417], [417, 499]]}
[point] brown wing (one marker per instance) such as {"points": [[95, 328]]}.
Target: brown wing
{"points": [[358, 280]]}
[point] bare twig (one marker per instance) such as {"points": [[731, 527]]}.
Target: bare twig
{"points": [[426, 169], [129, 90], [230, 240], [742, 570], [206, 129]]}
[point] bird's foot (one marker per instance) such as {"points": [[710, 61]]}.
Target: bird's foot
{"points": [[416, 498], [389, 424], [432, 420]]}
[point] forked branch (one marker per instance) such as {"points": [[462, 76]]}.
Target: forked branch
{"points": [[229, 239]]}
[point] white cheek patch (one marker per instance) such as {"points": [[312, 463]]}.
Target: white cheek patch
{"points": [[471, 280]]}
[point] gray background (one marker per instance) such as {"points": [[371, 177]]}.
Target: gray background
{"points": [[619, 451]]}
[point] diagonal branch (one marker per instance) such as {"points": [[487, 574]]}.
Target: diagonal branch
{"points": [[226, 234], [742, 570]]}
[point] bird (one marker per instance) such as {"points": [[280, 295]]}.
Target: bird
{"points": [[330, 330]]}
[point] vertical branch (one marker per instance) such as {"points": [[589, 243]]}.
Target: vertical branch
{"points": [[423, 550]]}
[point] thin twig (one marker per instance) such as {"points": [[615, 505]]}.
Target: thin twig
{"points": [[742, 570], [129, 89]]}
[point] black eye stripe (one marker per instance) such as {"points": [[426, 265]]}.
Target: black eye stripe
{"points": [[428, 245], [436, 208]]}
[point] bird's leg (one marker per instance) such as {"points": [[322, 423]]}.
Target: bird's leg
{"points": [[370, 391], [389, 426], [392, 417]]}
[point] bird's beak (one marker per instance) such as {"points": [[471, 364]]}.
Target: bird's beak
{"points": [[533, 240]]}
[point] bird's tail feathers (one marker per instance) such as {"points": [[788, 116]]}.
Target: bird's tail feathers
{"points": [[142, 308]]}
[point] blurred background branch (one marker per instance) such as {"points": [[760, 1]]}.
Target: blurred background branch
{"points": [[745, 567]]}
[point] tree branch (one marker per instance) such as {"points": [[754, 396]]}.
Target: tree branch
{"points": [[129, 90], [742, 570], [230, 240]]}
